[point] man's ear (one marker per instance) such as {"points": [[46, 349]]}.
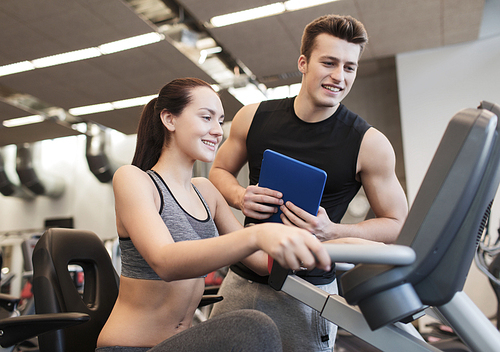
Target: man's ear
{"points": [[168, 120], [302, 64]]}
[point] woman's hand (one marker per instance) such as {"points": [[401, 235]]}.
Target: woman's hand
{"points": [[292, 247]]}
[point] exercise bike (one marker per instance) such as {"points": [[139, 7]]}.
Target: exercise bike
{"points": [[425, 271]]}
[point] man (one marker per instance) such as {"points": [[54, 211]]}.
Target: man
{"points": [[315, 128]]}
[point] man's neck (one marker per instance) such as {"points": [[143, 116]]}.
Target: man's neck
{"points": [[307, 111]]}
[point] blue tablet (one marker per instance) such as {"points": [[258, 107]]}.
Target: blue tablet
{"points": [[300, 183]]}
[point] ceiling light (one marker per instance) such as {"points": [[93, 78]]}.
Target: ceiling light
{"points": [[248, 15], [80, 127], [278, 92], [16, 68], [128, 103], [203, 57], [91, 109], [119, 104], [205, 52], [264, 11], [71, 56], [21, 121], [130, 43], [206, 43], [249, 94], [82, 54], [293, 5]]}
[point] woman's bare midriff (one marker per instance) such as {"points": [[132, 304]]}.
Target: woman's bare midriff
{"points": [[151, 311]]}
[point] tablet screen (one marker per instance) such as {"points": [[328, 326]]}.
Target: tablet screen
{"points": [[300, 183]]}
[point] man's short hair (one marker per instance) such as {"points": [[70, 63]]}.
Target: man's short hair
{"points": [[343, 27]]}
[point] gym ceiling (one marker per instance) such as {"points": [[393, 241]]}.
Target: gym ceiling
{"points": [[261, 53]]}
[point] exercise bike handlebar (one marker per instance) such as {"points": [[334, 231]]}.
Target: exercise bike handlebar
{"points": [[391, 254], [352, 253]]}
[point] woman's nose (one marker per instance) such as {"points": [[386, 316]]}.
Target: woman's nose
{"points": [[217, 129]]}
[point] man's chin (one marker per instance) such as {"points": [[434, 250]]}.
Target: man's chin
{"points": [[330, 104]]}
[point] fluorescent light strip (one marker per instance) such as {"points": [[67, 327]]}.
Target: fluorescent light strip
{"points": [[248, 15], [83, 54], [294, 5], [71, 56], [16, 68], [128, 103], [130, 43], [91, 109], [116, 105], [264, 11], [250, 94], [205, 52], [246, 95], [21, 121], [83, 110]]}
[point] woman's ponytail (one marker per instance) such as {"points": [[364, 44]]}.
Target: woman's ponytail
{"points": [[150, 138]]}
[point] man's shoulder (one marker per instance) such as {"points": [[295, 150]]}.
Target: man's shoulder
{"points": [[275, 104], [244, 117], [352, 119], [344, 111]]}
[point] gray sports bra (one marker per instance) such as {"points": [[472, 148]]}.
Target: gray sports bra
{"points": [[182, 227]]}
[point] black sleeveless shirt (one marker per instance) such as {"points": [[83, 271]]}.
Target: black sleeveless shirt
{"points": [[331, 145]]}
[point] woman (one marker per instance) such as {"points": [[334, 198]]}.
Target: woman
{"points": [[168, 225]]}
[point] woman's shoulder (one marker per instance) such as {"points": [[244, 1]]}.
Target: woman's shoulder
{"points": [[203, 184], [131, 185], [128, 170], [207, 189], [131, 176]]}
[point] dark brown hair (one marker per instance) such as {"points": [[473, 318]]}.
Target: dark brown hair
{"points": [[342, 27], [151, 133]]}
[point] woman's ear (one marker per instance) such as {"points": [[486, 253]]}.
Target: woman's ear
{"points": [[168, 120]]}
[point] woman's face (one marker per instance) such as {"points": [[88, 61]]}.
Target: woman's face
{"points": [[198, 129]]}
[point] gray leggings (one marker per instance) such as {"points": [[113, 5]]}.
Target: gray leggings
{"points": [[238, 331]]}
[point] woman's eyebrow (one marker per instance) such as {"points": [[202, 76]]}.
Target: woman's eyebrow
{"points": [[209, 110], [212, 112]]}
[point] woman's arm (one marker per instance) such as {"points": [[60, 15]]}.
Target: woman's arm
{"points": [[227, 223], [138, 217]]}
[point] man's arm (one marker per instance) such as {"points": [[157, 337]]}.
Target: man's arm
{"points": [[376, 171], [253, 201]]}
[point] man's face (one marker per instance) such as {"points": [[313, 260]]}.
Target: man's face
{"points": [[331, 70]]}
